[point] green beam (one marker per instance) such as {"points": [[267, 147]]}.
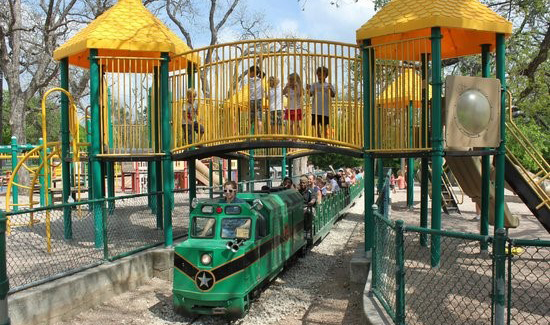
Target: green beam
{"points": [[220, 172], [110, 165], [251, 172], [65, 148], [368, 161], [410, 161], [283, 165], [424, 186], [97, 180], [485, 160], [210, 178], [156, 174], [167, 166], [229, 169], [437, 144], [192, 173]]}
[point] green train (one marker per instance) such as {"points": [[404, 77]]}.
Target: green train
{"points": [[232, 250]]}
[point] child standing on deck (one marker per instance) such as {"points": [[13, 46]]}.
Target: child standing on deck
{"points": [[293, 91], [321, 93], [275, 105], [190, 117], [256, 94]]}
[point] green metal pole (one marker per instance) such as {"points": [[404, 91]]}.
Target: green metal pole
{"points": [[167, 166], [399, 274], [283, 165], [41, 175], [251, 172], [229, 177], [437, 144], [110, 165], [485, 160], [268, 173], [380, 172], [97, 181], [210, 178], [220, 172], [191, 164], [290, 168], [88, 120], [15, 189], [239, 175], [4, 282], [424, 186], [499, 245], [157, 165], [368, 161], [65, 148], [410, 161]]}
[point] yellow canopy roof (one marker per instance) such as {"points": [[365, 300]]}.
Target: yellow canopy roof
{"points": [[405, 88], [127, 29], [465, 25]]}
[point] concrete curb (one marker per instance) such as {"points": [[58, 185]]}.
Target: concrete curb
{"points": [[68, 296]]}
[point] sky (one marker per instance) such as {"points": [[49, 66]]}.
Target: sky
{"points": [[315, 19]]}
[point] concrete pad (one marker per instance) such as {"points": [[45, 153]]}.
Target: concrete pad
{"points": [[374, 312], [359, 265], [68, 296]]}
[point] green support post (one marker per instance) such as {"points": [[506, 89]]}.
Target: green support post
{"points": [[167, 165], [437, 144], [399, 274], [500, 242], [41, 175], [210, 178], [485, 160], [89, 165], [65, 149], [15, 189], [239, 175], [424, 186], [290, 168], [267, 173], [368, 161], [97, 180], [229, 177], [251, 172], [283, 165], [380, 176], [192, 173], [410, 161], [4, 282], [156, 174], [110, 165]]}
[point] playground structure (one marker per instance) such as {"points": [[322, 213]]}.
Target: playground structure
{"points": [[387, 105]]}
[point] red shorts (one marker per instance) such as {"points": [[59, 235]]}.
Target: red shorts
{"points": [[293, 114]]}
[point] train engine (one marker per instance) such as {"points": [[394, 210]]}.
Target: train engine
{"points": [[233, 249]]}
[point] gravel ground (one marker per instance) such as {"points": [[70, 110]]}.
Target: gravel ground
{"points": [[314, 290]]}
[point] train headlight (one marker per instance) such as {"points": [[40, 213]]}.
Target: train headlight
{"points": [[194, 203], [206, 259]]}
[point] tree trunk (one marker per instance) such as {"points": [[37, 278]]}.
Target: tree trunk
{"points": [[17, 117]]}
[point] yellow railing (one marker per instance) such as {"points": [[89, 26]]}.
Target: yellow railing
{"points": [[396, 96], [222, 85], [535, 181]]}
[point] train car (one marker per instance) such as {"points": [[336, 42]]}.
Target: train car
{"points": [[233, 249]]}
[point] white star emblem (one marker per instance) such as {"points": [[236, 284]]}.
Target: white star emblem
{"points": [[204, 280]]}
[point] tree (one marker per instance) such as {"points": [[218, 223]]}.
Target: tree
{"points": [[337, 161]]}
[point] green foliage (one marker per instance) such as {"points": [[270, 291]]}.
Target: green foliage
{"points": [[538, 136], [323, 161]]}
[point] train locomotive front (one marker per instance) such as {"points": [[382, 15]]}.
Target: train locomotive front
{"points": [[233, 249]]}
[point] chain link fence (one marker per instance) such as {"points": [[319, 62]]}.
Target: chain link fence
{"points": [[461, 288]]}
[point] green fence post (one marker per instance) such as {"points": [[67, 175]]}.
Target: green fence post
{"points": [[485, 160], [251, 172], [220, 172], [41, 175], [375, 250], [437, 144], [4, 282], [15, 189], [499, 281], [97, 180], [210, 179], [399, 273], [424, 185], [239, 175], [65, 149], [167, 165], [192, 174], [380, 172]]}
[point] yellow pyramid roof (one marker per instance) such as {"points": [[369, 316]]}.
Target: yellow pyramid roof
{"points": [[406, 88], [465, 24], [127, 29]]}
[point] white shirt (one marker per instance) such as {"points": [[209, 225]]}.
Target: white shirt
{"points": [[255, 88], [294, 99], [275, 99], [321, 97]]}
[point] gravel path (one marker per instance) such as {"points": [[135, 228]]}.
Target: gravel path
{"points": [[315, 290]]}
